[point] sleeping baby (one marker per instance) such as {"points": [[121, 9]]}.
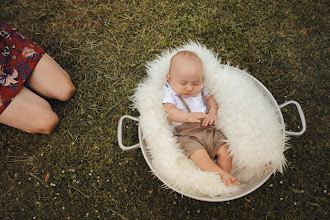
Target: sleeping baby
{"points": [[193, 112]]}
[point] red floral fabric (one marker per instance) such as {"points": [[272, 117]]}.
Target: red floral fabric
{"points": [[18, 58]]}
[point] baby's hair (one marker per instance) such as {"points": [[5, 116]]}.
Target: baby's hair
{"points": [[187, 54]]}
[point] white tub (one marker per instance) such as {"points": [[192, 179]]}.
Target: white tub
{"points": [[248, 187]]}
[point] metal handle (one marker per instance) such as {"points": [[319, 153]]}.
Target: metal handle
{"points": [[302, 118], [120, 133]]}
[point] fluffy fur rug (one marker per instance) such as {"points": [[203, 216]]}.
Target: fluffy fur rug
{"points": [[245, 116]]}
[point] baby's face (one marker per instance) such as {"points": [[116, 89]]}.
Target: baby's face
{"points": [[186, 76]]}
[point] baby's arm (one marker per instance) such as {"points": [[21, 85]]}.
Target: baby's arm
{"points": [[174, 114], [211, 117]]}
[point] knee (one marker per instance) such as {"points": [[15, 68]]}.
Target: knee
{"points": [[223, 150], [46, 123], [67, 91]]}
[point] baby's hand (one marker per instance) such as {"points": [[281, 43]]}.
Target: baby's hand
{"points": [[209, 119], [195, 116]]}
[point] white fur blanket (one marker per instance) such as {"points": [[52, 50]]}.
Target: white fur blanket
{"points": [[245, 116]]}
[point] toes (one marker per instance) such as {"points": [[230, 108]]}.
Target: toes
{"points": [[236, 182], [228, 180], [231, 180]]}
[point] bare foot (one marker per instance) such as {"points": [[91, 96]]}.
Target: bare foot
{"points": [[228, 179]]}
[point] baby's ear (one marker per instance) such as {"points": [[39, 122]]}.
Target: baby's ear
{"points": [[168, 76]]}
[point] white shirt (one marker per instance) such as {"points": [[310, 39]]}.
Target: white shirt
{"points": [[195, 103]]}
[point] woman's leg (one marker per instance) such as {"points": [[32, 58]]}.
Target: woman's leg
{"points": [[29, 112], [49, 80]]}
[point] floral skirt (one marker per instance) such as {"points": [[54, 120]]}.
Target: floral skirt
{"points": [[18, 58]]}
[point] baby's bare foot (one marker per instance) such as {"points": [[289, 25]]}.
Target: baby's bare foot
{"points": [[228, 179]]}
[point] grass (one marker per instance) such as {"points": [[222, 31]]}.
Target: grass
{"points": [[104, 46]]}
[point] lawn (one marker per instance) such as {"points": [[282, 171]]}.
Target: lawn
{"points": [[104, 46]]}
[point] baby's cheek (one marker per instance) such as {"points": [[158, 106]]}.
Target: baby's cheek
{"points": [[198, 91]]}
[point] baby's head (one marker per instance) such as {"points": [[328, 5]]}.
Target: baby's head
{"points": [[186, 74]]}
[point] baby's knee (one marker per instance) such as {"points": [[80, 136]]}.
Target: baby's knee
{"points": [[46, 123], [223, 150]]}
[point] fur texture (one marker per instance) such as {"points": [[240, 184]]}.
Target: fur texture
{"points": [[245, 116]]}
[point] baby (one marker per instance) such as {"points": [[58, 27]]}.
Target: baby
{"points": [[193, 111]]}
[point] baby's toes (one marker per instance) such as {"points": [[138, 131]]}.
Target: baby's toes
{"points": [[227, 181], [234, 181]]}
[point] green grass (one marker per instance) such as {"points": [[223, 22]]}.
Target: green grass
{"points": [[104, 46]]}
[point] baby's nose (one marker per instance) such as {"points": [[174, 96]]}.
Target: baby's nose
{"points": [[189, 88]]}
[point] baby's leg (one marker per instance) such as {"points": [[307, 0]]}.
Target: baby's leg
{"points": [[225, 161], [203, 160]]}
